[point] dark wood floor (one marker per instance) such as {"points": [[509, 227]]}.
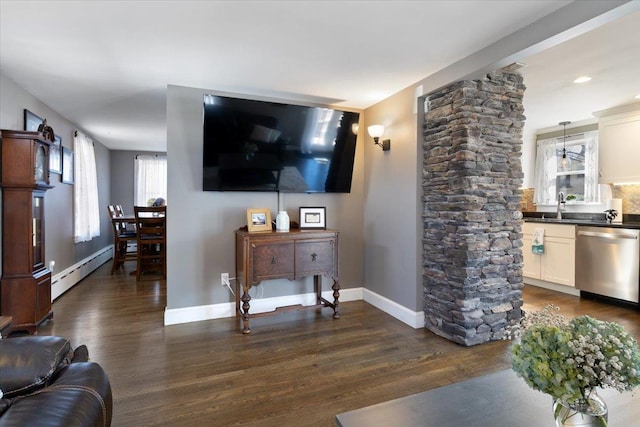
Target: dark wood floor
{"points": [[300, 368]]}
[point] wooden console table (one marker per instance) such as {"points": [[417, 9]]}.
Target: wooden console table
{"points": [[289, 255]]}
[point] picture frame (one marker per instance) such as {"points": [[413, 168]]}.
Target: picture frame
{"points": [[259, 219], [313, 218], [67, 166], [55, 155], [31, 121]]}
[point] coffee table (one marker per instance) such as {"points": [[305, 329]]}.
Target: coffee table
{"points": [[498, 399]]}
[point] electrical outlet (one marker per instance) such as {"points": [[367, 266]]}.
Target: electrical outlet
{"points": [[224, 279]]}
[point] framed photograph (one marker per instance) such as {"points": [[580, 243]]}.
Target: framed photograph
{"points": [[313, 218], [31, 121], [67, 166], [55, 155], [259, 219]]}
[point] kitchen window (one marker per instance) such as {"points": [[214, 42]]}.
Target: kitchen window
{"points": [[579, 182]]}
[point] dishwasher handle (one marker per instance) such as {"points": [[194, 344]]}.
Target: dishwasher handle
{"points": [[608, 235]]}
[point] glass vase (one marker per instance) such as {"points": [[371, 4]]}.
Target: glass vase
{"points": [[591, 412]]}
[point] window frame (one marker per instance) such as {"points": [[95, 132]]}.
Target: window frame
{"points": [[143, 167], [548, 152]]}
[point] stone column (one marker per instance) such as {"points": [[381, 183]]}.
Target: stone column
{"points": [[472, 222]]}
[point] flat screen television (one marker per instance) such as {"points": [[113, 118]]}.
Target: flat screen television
{"points": [[251, 145]]}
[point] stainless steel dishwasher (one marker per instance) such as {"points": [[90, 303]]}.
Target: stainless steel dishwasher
{"points": [[608, 262]]}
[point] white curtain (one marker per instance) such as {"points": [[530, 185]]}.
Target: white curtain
{"points": [[86, 209], [546, 169], [591, 187], [150, 179]]}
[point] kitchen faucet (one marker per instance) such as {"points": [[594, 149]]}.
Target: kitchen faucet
{"points": [[561, 205]]}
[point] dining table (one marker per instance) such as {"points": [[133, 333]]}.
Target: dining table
{"points": [[131, 219]]}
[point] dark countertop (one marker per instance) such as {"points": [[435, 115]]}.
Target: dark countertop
{"points": [[631, 221]]}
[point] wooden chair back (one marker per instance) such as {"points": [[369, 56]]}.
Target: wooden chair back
{"points": [[111, 209], [151, 226], [124, 248]]}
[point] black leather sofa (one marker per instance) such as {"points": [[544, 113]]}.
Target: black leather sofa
{"points": [[44, 382]]}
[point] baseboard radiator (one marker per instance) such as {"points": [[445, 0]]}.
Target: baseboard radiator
{"points": [[69, 277]]}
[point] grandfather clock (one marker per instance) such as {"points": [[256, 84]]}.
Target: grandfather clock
{"points": [[25, 286]]}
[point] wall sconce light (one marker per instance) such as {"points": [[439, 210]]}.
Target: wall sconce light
{"points": [[375, 132]]}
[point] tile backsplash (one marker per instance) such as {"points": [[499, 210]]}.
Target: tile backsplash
{"points": [[526, 204], [630, 195]]}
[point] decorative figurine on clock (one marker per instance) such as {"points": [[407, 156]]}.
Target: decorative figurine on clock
{"points": [[46, 131]]}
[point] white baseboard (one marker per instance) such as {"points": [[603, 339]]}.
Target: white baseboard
{"points": [[415, 319], [552, 286], [66, 279], [176, 316]]}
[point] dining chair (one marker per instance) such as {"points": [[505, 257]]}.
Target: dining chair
{"points": [[151, 226], [124, 241], [126, 225]]}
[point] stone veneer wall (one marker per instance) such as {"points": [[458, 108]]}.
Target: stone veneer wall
{"points": [[472, 221]]}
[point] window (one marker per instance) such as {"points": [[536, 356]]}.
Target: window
{"points": [[580, 182], [150, 179], [571, 181], [86, 213]]}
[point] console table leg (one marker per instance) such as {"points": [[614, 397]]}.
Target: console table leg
{"points": [[317, 287], [336, 295], [245, 312]]}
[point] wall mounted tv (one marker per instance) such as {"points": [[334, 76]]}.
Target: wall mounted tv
{"points": [[251, 145]]}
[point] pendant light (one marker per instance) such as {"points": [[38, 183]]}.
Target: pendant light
{"points": [[565, 163]]}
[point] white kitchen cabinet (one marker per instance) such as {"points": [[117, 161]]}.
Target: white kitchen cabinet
{"points": [[531, 261], [619, 148], [557, 263]]}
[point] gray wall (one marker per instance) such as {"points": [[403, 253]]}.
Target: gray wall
{"points": [[200, 228], [392, 219], [59, 244], [392, 213], [122, 174], [379, 220]]}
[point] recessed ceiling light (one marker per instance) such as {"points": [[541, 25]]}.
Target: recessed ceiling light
{"points": [[582, 79]]}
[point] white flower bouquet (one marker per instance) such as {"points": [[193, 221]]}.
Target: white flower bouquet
{"points": [[569, 359]]}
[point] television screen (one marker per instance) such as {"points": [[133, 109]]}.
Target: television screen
{"points": [[266, 146]]}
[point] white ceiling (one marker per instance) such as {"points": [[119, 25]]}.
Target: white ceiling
{"points": [[610, 55], [105, 65]]}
